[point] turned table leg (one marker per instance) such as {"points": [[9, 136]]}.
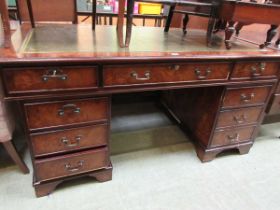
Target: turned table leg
{"points": [[228, 34], [270, 35]]}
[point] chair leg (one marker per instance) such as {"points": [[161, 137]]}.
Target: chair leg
{"points": [[238, 27], [228, 34], [30, 11], [93, 14], [120, 22], [169, 18], [277, 43], [210, 30], [270, 35], [185, 23], [129, 19], [8, 145]]}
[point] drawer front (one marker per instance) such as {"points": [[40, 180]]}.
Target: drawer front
{"points": [[56, 114], [73, 164], [275, 106], [246, 96], [232, 136], [69, 140], [239, 117], [50, 79], [255, 70], [151, 74]]}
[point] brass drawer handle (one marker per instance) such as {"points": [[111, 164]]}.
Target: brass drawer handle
{"points": [[70, 168], [54, 73], [233, 138], [67, 143], [136, 76], [174, 67], [71, 107], [199, 73], [247, 98], [240, 119], [258, 70]]}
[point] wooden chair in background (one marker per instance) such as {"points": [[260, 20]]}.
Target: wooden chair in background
{"points": [[47, 11], [238, 14], [204, 8], [51, 11]]}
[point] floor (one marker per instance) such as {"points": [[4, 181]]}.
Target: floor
{"points": [[156, 168]]}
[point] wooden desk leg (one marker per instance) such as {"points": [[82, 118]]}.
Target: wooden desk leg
{"points": [[120, 22], [129, 19], [270, 35], [228, 34]]}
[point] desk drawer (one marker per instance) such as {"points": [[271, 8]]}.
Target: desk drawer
{"points": [[21, 80], [239, 117], [232, 136], [164, 73], [255, 70], [69, 112], [68, 165], [246, 96], [69, 140]]}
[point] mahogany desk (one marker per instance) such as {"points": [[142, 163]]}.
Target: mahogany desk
{"points": [[64, 77]]}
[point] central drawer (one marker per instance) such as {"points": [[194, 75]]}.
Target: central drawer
{"points": [[65, 113], [73, 164], [163, 73], [69, 140]]}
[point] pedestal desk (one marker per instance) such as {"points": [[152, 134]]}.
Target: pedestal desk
{"points": [[64, 77]]}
